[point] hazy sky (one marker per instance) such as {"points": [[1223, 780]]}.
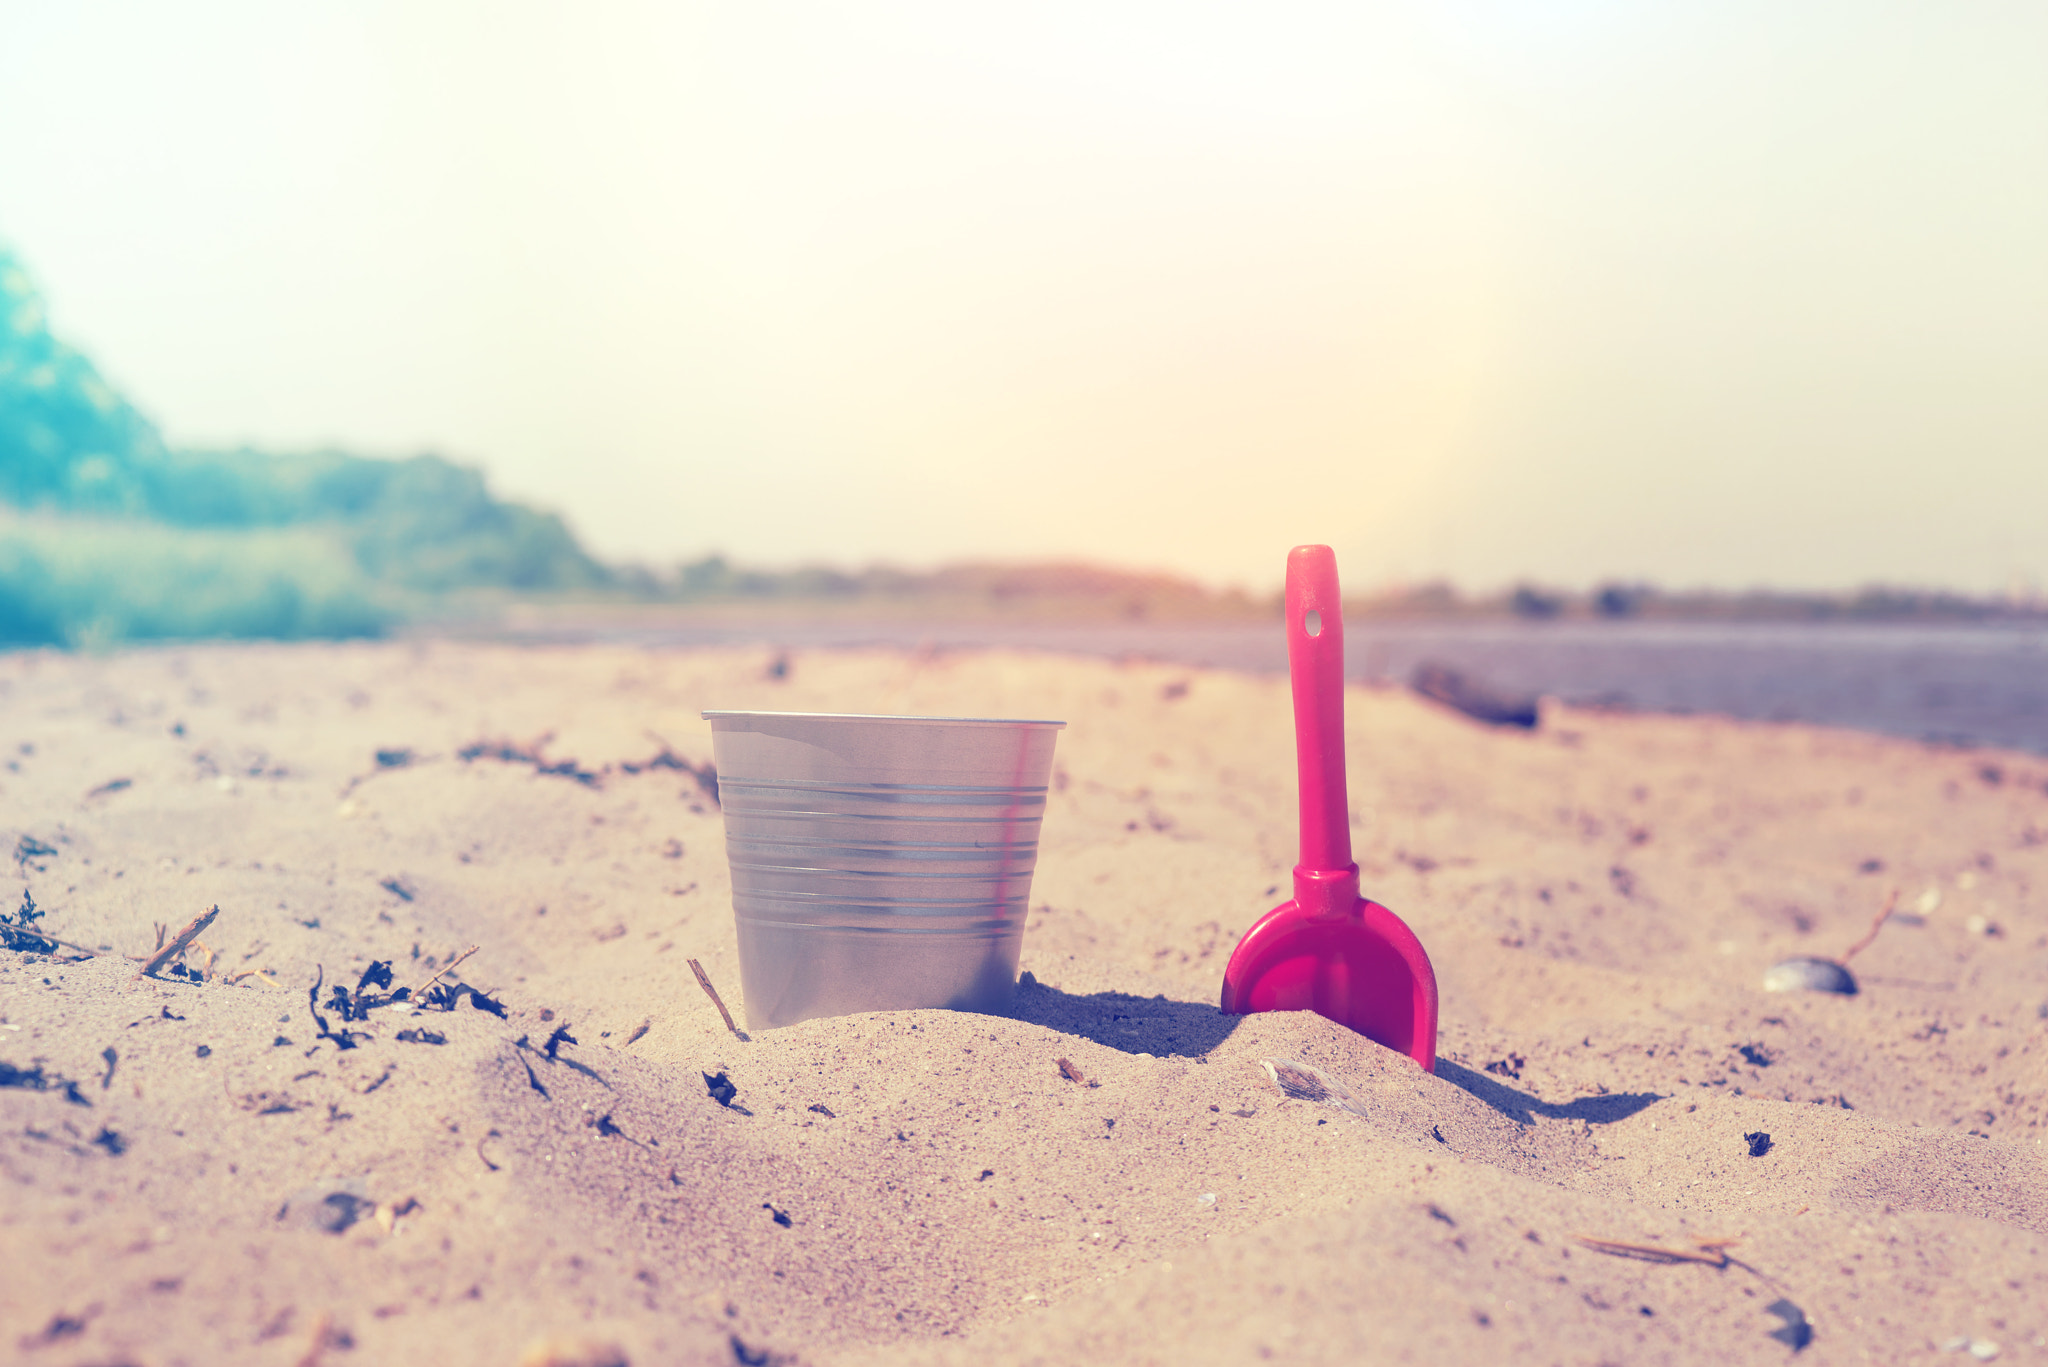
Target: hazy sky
{"points": [[1723, 293]]}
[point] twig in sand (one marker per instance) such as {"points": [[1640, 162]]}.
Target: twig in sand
{"points": [[1884, 914], [420, 996], [323, 1338], [1712, 1252], [72, 945], [9, 936], [704, 981], [1707, 1252], [178, 944], [17, 931]]}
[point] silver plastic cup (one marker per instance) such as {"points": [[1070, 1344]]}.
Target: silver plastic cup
{"points": [[878, 863]]}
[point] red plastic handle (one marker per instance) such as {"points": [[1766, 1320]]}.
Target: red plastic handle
{"points": [[1315, 661]]}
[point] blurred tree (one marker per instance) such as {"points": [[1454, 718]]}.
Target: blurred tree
{"points": [[66, 438], [1529, 601], [71, 445]]}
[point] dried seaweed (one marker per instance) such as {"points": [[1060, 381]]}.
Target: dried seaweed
{"points": [[705, 774], [745, 1355], [16, 930], [28, 850], [560, 1060], [34, 1079], [61, 1327], [533, 753], [345, 1004], [1795, 1333], [560, 1037], [346, 1038], [720, 1088]]}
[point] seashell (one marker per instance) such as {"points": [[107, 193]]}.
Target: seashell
{"points": [[1809, 975]]}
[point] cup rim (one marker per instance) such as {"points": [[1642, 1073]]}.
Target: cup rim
{"points": [[717, 714]]}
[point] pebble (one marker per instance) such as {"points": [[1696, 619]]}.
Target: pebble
{"points": [[1809, 975], [592, 1353], [329, 1207]]}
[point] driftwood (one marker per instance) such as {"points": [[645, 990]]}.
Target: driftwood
{"points": [[1442, 684], [179, 943]]}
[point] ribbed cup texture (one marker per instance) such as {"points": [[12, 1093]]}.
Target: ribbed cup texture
{"points": [[864, 894]]}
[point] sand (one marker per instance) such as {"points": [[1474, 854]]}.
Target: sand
{"points": [[203, 1177]]}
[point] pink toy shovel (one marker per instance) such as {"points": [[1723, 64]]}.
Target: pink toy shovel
{"points": [[1329, 950]]}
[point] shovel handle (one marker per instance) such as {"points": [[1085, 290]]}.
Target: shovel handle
{"points": [[1315, 662]]}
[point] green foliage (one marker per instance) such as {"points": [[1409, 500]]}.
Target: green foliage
{"points": [[136, 541], [424, 523], [66, 438], [1049, 590], [80, 582]]}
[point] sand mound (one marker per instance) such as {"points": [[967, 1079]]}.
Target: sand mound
{"points": [[197, 1171]]}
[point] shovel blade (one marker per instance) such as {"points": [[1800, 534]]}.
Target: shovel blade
{"points": [[1366, 971]]}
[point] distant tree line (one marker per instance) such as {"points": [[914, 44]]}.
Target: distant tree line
{"points": [[1070, 589], [1624, 601], [110, 535]]}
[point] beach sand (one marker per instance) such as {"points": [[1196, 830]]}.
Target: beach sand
{"points": [[195, 1173]]}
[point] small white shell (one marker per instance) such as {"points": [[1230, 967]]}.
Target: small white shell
{"points": [[1809, 975]]}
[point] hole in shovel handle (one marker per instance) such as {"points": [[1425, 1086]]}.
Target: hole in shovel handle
{"points": [[1312, 622]]}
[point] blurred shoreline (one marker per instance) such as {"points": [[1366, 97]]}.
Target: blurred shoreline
{"points": [[1966, 684]]}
